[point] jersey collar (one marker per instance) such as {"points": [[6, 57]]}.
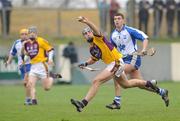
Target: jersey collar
{"points": [[123, 27]]}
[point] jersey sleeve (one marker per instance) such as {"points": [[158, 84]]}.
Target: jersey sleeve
{"points": [[46, 45], [137, 34], [98, 38], [13, 50], [112, 41], [94, 58]]}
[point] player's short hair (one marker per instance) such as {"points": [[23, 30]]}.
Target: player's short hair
{"points": [[120, 14], [86, 29], [32, 29], [23, 31]]}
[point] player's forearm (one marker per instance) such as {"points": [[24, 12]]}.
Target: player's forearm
{"points": [[9, 59], [145, 44], [96, 31], [90, 61], [50, 55], [23, 51]]}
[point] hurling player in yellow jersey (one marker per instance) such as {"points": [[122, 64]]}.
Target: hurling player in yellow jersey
{"points": [[102, 49], [37, 49]]}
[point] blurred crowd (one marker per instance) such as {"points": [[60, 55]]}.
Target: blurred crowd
{"points": [[168, 8], [5, 12]]}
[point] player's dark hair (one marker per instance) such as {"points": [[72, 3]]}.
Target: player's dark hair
{"points": [[119, 14]]}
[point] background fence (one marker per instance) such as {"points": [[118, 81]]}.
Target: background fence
{"points": [[62, 23]]}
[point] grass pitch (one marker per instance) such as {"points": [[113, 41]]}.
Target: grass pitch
{"points": [[137, 105]]}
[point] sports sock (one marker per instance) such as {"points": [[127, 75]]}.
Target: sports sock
{"points": [[28, 99], [84, 102], [161, 91], [150, 85], [117, 99], [34, 101]]}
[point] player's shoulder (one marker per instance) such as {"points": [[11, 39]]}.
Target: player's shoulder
{"points": [[132, 29], [129, 28], [16, 42], [114, 33], [135, 31], [41, 40]]}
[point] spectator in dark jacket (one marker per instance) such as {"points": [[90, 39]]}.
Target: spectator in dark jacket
{"points": [[5, 5], [178, 17], [158, 6], [170, 16], [144, 15], [71, 53]]}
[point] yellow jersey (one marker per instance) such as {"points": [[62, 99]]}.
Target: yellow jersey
{"points": [[104, 50], [37, 50]]}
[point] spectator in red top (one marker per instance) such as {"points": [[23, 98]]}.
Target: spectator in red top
{"points": [[114, 7]]}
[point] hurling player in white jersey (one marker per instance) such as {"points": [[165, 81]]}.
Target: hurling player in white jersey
{"points": [[24, 68], [124, 39]]}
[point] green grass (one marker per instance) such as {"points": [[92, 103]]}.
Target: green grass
{"points": [[137, 105]]}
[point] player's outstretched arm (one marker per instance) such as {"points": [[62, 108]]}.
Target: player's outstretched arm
{"points": [[90, 24], [9, 60], [90, 61], [144, 46]]}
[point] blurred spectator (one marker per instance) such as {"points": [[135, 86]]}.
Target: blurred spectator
{"points": [[128, 8], [144, 15], [71, 53], [103, 14], [178, 17], [170, 15], [131, 14], [25, 2], [114, 7], [6, 6], [158, 6]]}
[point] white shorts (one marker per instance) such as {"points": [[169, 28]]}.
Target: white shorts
{"points": [[39, 70], [119, 71]]}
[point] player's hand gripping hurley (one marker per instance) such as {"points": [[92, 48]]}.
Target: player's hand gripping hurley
{"points": [[84, 66], [149, 52]]}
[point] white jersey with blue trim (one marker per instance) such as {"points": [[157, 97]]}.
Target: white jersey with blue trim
{"points": [[16, 50], [125, 40]]}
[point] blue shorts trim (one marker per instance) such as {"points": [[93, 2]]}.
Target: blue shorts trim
{"points": [[24, 69], [135, 60]]}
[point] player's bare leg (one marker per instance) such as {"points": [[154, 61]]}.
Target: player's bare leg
{"points": [[47, 83], [134, 74], [101, 78], [122, 80], [104, 76], [151, 85], [116, 104], [31, 87], [28, 95]]}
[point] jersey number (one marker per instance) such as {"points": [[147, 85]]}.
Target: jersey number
{"points": [[122, 47]]}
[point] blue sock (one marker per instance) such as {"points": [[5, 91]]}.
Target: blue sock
{"points": [[28, 99], [161, 91], [117, 99]]}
